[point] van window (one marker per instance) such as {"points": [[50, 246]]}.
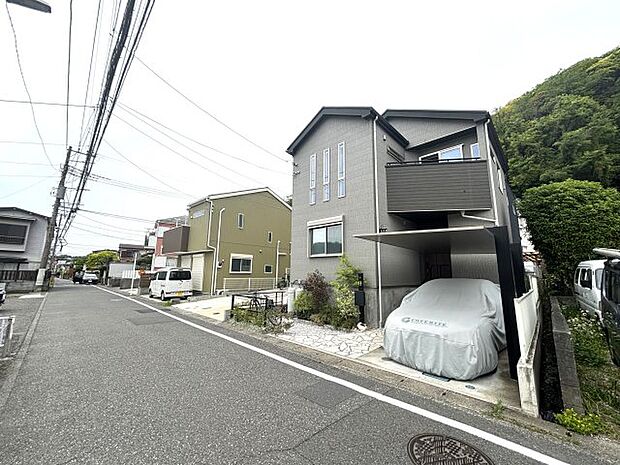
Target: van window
{"points": [[598, 277], [180, 275], [586, 278], [612, 286], [577, 271], [161, 276]]}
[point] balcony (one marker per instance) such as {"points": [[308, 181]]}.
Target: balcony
{"points": [[438, 186], [176, 240]]}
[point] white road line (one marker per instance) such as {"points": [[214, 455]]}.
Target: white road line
{"points": [[506, 444]]}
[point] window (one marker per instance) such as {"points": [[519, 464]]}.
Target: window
{"points": [[325, 175], [586, 278], [598, 275], [326, 240], [180, 275], [500, 176], [13, 234], [268, 269], [312, 199], [240, 220], [612, 286], [161, 276], [341, 170], [475, 150], [269, 236], [449, 154], [240, 263]]}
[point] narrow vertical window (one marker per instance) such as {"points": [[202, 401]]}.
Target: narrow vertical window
{"points": [[475, 150], [269, 236], [240, 220], [325, 175], [341, 170], [312, 198]]}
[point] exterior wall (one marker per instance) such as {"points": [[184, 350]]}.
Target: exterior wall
{"points": [[420, 130], [356, 207], [35, 239], [198, 223], [176, 240], [262, 213]]}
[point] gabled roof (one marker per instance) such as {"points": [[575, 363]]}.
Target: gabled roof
{"points": [[476, 115], [17, 209], [360, 112], [226, 195]]}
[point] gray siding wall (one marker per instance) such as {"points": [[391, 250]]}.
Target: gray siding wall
{"points": [[357, 207], [420, 130], [34, 242], [176, 239], [438, 186]]}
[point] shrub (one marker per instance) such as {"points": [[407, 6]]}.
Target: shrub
{"points": [[588, 341], [318, 288], [303, 305], [588, 424], [567, 220], [345, 313]]}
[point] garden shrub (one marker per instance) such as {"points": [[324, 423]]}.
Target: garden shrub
{"points": [[319, 290], [588, 424], [303, 305], [345, 314]]}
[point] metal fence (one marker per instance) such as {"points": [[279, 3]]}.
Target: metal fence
{"points": [[248, 284], [18, 275], [261, 303], [6, 335]]}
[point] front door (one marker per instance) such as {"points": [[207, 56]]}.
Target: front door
{"points": [[437, 265]]}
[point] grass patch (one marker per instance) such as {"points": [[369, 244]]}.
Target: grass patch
{"points": [[498, 409], [599, 378]]}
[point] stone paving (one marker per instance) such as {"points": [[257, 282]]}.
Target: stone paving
{"points": [[351, 344]]}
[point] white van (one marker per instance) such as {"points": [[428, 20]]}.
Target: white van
{"points": [[171, 282], [587, 286]]}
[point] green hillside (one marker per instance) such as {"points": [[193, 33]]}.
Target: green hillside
{"points": [[566, 127]]}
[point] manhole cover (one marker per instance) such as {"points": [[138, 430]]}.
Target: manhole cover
{"points": [[437, 449]]}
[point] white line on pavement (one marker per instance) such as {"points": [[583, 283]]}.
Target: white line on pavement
{"points": [[506, 444]]}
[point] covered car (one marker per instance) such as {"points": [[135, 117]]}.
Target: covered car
{"points": [[448, 327]]}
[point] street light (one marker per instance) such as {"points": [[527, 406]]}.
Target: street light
{"points": [[33, 5]]}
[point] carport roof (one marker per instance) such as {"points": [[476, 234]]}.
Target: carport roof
{"points": [[468, 239]]}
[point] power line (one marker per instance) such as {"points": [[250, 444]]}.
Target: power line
{"points": [[68, 73], [143, 170], [88, 218], [114, 215], [25, 176], [98, 233], [23, 189], [210, 114], [52, 104], [23, 163], [127, 107], [21, 72]]}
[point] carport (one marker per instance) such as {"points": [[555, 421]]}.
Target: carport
{"points": [[470, 241]]}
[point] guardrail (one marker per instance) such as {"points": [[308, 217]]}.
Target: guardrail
{"points": [[6, 335], [248, 284]]}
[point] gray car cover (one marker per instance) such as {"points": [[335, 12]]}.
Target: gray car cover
{"points": [[448, 327]]}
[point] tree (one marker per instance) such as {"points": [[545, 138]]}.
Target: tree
{"points": [[100, 260], [567, 220]]}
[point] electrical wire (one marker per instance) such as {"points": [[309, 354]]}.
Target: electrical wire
{"points": [[98, 233], [68, 73], [114, 215], [23, 189], [53, 104], [21, 72], [127, 109], [88, 218], [211, 115]]}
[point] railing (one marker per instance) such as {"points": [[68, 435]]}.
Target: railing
{"points": [[435, 162], [18, 275], [6, 335], [266, 304], [248, 284]]}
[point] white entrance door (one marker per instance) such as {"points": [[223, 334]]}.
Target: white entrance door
{"points": [[198, 264]]}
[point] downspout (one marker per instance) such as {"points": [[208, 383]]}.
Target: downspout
{"points": [[277, 261], [217, 251], [209, 246], [488, 142], [377, 244]]}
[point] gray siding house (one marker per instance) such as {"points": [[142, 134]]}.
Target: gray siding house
{"points": [[408, 196], [22, 237]]}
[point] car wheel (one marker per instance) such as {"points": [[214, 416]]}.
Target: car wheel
{"points": [[162, 296]]}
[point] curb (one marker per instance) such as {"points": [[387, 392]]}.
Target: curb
{"points": [[13, 369]]}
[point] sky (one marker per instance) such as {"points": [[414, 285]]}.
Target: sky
{"points": [[264, 69]]}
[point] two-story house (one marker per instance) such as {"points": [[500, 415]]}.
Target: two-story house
{"points": [[22, 239], [155, 239], [408, 196], [235, 241]]}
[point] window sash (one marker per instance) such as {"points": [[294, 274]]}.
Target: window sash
{"points": [[341, 170], [442, 155], [240, 220], [268, 269], [326, 240], [475, 150], [313, 171], [240, 265]]}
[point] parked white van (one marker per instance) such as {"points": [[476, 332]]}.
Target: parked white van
{"points": [[171, 282], [587, 286]]}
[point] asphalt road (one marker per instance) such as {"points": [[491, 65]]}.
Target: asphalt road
{"points": [[108, 381]]}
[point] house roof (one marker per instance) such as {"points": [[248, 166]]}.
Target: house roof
{"points": [[360, 112], [17, 209], [133, 246], [476, 115], [226, 195]]}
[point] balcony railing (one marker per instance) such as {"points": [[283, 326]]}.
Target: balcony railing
{"points": [[438, 186]]}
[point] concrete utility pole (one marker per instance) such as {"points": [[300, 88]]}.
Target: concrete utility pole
{"points": [[51, 226]]}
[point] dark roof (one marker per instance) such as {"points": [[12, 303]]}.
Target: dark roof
{"points": [[360, 112], [133, 246], [476, 115], [17, 209]]}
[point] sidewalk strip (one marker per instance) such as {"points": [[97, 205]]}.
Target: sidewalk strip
{"points": [[506, 444]]}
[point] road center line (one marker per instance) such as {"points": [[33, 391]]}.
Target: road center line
{"points": [[506, 444]]}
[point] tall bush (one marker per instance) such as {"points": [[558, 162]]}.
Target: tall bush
{"points": [[345, 313], [567, 220], [319, 290]]}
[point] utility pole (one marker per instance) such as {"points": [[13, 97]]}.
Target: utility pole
{"points": [[51, 225]]}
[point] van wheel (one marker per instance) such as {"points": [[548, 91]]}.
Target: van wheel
{"points": [[162, 296]]}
